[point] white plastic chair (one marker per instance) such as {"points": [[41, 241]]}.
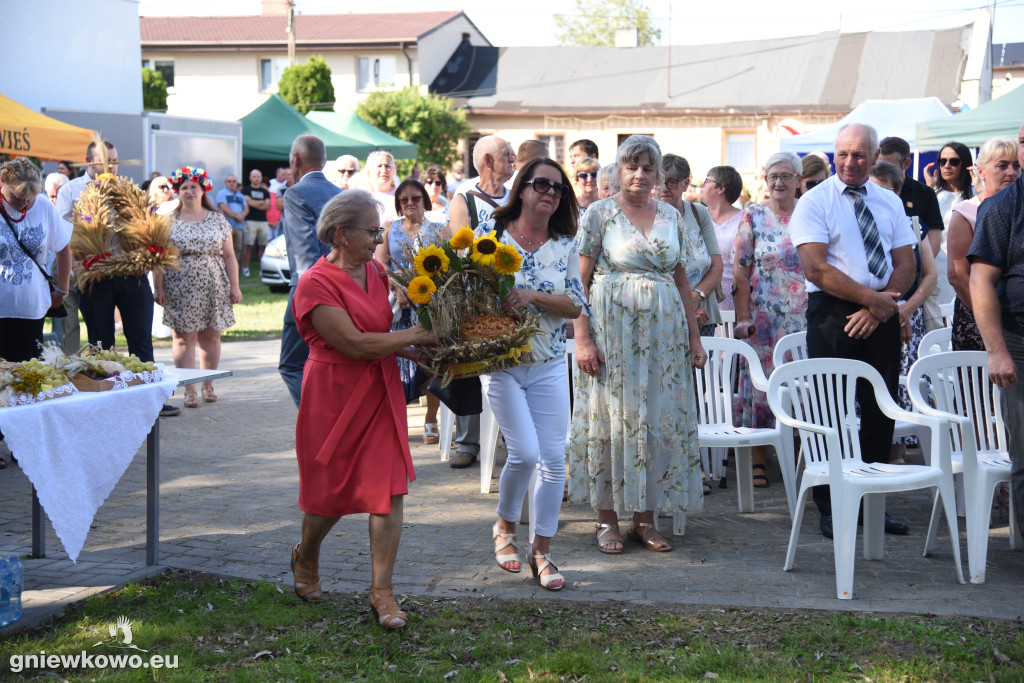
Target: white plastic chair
{"points": [[818, 398], [967, 399], [947, 313], [938, 340], [713, 387], [725, 328]]}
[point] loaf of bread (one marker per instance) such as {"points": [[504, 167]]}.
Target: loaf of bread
{"points": [[486, 327]]}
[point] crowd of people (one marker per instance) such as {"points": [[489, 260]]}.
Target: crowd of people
{"points": [[633, 260]]}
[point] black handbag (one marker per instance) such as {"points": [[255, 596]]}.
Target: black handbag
{"points": [[462, 396], [59, 311]]}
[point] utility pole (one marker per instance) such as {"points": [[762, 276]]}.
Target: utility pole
{"points": [[291, 32]]}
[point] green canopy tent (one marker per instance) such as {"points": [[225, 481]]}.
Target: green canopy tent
{"points": [[269, 130], [350, 125], [998, 118]]}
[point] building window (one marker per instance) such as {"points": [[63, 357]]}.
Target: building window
{"points": [[741, 151], [165, 67], [555, 143], [376, 73], [270, 73]]}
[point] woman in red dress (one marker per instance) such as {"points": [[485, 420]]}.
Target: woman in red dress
{"points": [[351, 436]]}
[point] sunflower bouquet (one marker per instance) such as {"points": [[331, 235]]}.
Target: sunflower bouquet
{"points": [[459, 297], [117, 233]]}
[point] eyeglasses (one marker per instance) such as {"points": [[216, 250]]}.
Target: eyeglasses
{"points": [[784, 177], [954, 161], [583, 175], [230, 182], [411, 199], [347, 171], [672, 183], [813, 183], [378, 233], [433, 182], [708, 180], [163, 187], [542, 185]]}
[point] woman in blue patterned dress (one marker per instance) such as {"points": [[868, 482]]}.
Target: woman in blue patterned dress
{"points": [[634, 429], [411, 228], [771, 301]]}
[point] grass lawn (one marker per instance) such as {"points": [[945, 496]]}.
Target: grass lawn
{"points": [[222, 629]]}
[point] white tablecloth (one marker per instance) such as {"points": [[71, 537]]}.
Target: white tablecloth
{"points": [[74, 449]]}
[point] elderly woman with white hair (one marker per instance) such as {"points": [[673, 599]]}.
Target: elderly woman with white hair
{"points": [[634, 428], [607, 182], [348, 168], [52, 185], [351, 437], [381, 173], [770, 298]]}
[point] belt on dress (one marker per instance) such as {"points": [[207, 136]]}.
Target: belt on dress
{"points": [[660, 278]]}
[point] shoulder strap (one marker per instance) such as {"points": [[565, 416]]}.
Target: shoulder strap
{"points": [[693, 209], [485, 197], [474, 219], [17, 239], [499, 230]]}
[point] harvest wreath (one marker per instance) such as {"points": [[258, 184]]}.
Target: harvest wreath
{"points": [[118, 233], [459, 297]]}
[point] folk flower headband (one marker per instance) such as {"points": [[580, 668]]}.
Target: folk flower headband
{"points": [[193, 173]]}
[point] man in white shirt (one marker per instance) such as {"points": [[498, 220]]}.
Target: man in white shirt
{"points": [[856, 249], [472, 204]]}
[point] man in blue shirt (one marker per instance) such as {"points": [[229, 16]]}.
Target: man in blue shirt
{"points": [[235, 208]]}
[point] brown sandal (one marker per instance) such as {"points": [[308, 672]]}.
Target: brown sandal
{"points": [[307, 574], [191, 401], [208, 394], [646, 534], [386, 608]]}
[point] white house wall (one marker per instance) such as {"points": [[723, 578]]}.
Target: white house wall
{"points": [[225, 85], [72, 54]]}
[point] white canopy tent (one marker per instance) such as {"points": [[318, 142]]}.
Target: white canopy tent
{"points": [[889, 117]]}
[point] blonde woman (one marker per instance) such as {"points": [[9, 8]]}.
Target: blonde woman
{"points": [[380, 180]]}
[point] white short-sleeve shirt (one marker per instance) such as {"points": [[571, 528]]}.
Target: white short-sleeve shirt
{"points": [[825, 215], [24, 292]]}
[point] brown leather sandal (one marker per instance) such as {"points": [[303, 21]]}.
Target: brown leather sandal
{"points": [[386, 608], [306, 577], [208, 395], [646, 534]]}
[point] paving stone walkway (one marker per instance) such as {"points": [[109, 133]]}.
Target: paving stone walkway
{"points": [[229, 487]]}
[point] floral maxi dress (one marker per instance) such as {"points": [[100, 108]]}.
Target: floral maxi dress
{"points": [[634, 428]]}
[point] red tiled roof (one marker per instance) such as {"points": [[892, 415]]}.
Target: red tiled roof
{"points": [[309, 28]]}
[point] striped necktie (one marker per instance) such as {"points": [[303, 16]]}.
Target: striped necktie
{"points": [[868, 231]]}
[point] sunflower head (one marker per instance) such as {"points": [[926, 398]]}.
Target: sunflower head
{"points": [[420, 290], [462, 239], [507, 260], [485, 249], [105, 176], [431, 260]]}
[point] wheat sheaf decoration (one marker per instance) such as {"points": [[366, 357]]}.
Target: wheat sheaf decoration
{"points": [[117, 232]]}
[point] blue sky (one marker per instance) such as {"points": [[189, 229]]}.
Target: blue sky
{"points": [[531, 22]]}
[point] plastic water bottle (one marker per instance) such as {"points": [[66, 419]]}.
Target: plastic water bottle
{"points": [[11, 581]]}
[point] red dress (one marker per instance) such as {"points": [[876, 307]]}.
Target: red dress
{"points": [[351, 437]]}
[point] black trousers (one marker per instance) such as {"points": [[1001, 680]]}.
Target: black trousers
{"points": [[826, 318], [134, 298], [20, 338]]}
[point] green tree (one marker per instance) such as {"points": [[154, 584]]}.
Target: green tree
{"points": [[429, 120], [594, 22], [307, 87], [154, 90]]}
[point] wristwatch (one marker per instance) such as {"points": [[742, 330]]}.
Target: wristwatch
{"points": [[701, 293]]}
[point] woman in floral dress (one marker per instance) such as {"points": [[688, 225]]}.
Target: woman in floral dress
{"points": [[634, 428], [771, 301], [197, 296]]}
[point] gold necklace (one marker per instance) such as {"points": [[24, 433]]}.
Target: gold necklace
{"points": [[529, 242]]}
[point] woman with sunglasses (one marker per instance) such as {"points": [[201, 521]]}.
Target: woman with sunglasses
{"points": [[437, 188], [771, 301], [351, 436], [634, 428], [953, 182], [997, 167], [162, 196], [406, 234], [531, 401], [586, 182], [815, 171]]}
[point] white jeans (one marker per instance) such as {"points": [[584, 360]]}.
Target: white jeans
{"points": [[531, 405]]}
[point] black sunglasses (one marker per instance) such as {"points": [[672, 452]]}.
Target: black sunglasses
{"points": [[586, 174], [163, 187], [954, 162], [812, 183], [433, 182], [542, 185], [347, 171]]}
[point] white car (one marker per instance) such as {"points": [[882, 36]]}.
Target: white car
{"points": [[274, 270]]}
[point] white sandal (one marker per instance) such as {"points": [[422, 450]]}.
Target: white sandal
{"points": [[430, 433], [509, 540], [552, 582]]}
